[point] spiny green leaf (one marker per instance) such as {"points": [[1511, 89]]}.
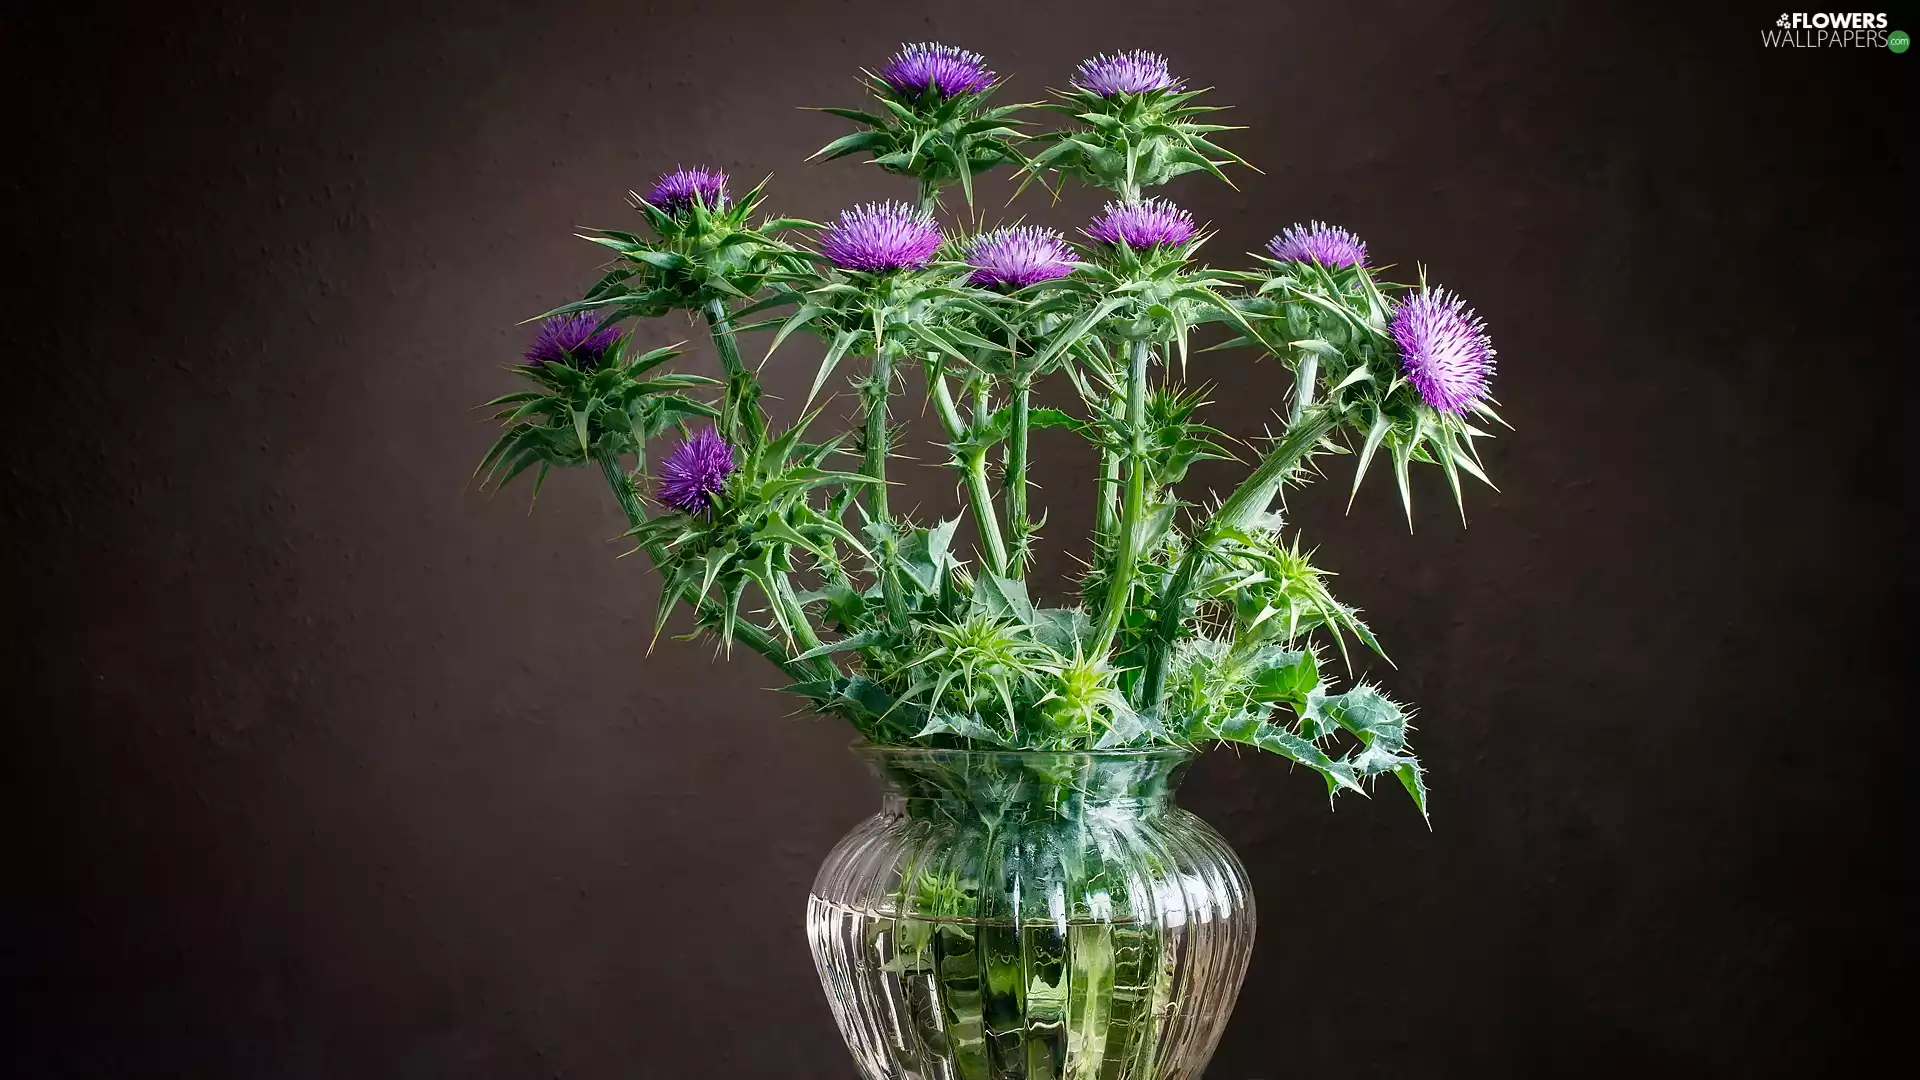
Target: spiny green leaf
{"points": [[1253, 730], [841, 343], [860, 640], [1375, 432], [1002, 598]]}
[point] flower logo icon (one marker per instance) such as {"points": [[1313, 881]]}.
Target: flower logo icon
{"points": [[1783, 21]]}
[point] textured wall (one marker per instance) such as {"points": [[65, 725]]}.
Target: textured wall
{"points": [[323, 765]]}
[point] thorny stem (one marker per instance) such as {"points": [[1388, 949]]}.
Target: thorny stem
{"points": [[974, 464], [740, 420], [982, 497], [879, 388], [1251, 499], [1127, 552], [1305, 374], [1017, 475], [1109, 481], [929, 196], [803, 634]]}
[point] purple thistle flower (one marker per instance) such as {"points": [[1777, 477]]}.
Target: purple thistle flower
{"points": [[1133, 72], [677, 190], [1019, 256], [1142, 225], [1444, 349], [571, 337], [693, 474], [882, 236], [949, 71], [1317, 242]]}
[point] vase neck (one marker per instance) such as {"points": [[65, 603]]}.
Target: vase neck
{"points": [[935, 806], [1000, 785]]}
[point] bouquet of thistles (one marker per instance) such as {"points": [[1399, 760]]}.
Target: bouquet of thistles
{"points": [[1198, 618]]}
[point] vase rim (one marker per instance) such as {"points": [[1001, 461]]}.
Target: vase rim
{"points": [[867, 749]]}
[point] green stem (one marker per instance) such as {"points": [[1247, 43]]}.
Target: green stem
{"points": [[740, 420], [929, 196], [981, 497], [1256, 493], [623, 491], [1247, 503], [1127, 551], [879, 388], [1104, 522], [1305, 374], [706, 611], [803, 634], [1017, 475], [974, 465]]}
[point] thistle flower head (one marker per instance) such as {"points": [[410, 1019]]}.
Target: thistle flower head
{"points": [[1141, 225], [677, 190], [1444, 349], [695, 472], [1019, 256], [1133, 72], [574, 337], [950, 72], [882, 236], [1317, 242]]}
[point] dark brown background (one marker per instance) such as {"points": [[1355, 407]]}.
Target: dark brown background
{"points": [[323, 765]]}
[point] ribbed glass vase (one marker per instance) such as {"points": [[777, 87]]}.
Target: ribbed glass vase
{"points": [[1050, 916]]}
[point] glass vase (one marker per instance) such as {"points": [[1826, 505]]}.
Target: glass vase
{"points": [[1050, 916]]}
